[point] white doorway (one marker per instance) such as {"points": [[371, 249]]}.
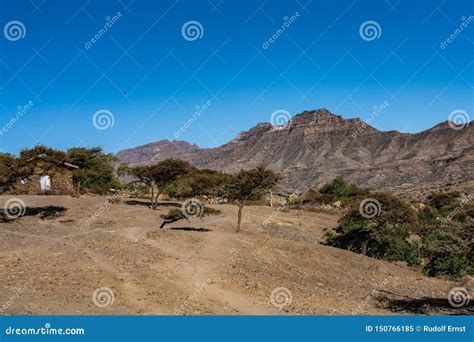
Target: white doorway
{"points": [[45, 183]]}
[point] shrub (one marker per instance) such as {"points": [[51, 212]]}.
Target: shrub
{"points": [[446, 254], [445, 249], [444, 202], [341, 188]]}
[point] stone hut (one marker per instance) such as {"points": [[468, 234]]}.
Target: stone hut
{"points": [[47, 178]]}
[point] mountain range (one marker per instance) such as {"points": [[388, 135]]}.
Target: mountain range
{"points": [[316, 146]]}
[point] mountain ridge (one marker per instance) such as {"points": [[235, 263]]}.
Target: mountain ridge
{"points": [[315, 146]]}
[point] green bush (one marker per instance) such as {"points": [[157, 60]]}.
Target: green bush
{"points": [[445, 247], [444, 202], [446, 254], [427, 215], [341, 188]]}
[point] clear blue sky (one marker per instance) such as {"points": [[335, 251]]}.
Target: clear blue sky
{"points": [[150, 78]]}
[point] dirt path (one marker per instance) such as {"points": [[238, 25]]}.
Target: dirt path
{"points": [[196, 267]]}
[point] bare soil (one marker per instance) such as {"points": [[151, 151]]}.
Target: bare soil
{"points": [[53, 265]]}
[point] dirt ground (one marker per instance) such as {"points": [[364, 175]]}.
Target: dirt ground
{"points": [[55, 265]]}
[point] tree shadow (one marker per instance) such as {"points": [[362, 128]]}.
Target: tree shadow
{"points": [[191, 229], [47, 212], [424, 306], [147, 203]]}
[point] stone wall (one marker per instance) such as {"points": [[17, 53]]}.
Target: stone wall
{"points": [[61, 182]]}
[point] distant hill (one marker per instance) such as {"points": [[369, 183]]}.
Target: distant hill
{"points": [[317, 146]]}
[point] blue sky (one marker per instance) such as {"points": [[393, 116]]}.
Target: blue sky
{"points": [[150, 78]]}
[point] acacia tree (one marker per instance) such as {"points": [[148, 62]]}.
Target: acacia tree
{"points": [[144, 175], [249, 185], [198, 183], [9, 171], [157, 177], [96, 170]]}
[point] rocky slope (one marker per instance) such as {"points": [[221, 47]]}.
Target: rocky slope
{"points": [[317, 146]]}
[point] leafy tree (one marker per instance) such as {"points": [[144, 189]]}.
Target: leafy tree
{"points": [[9, 171], [249, 185], [341, 188], [198, 183], [445, 253], [157, 177], [96, 170], [443, 248], [47, 154]]}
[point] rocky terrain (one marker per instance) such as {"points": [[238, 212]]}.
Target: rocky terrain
{"points": [[121, 263], [317, 145]]}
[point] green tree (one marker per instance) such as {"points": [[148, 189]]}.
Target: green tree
{"points": [[157, 177], [96, 170], [249, 185], [384, 236], [341, 188], [198, 183], [9, 171]]}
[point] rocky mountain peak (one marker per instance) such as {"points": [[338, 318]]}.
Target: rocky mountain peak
{"points": [[317, 146]]}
